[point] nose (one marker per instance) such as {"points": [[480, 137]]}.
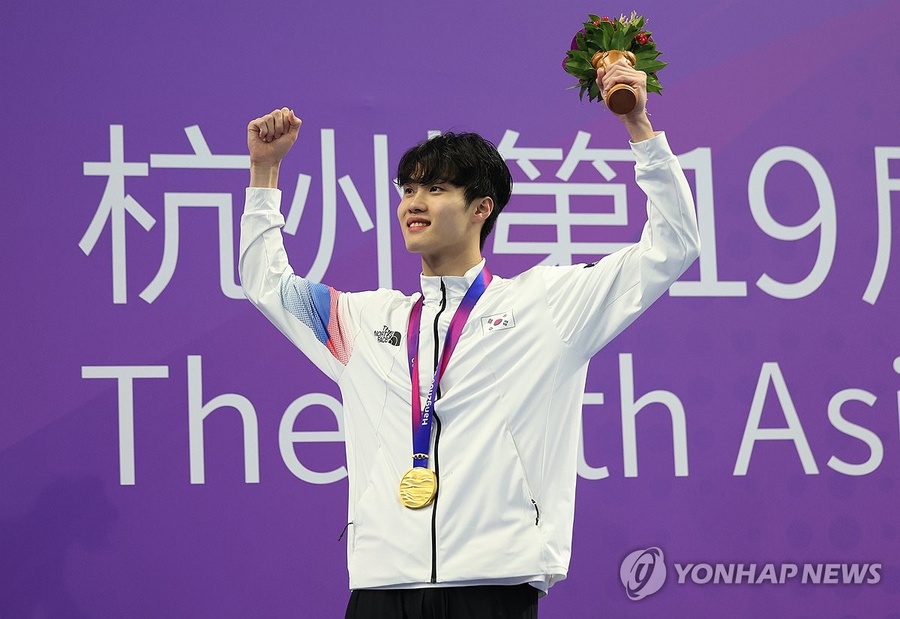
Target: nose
{"points": [[414, 201]]}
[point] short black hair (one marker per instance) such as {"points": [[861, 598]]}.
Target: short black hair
{"points": [[465, 160]]}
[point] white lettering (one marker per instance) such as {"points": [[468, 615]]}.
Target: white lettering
{"points": [[523, 155], [874, 574], [702, 573], [174, 205], [125, 376], [198, 412], [876, 448], [824, 219], [885, 185], [724, 573], [384, 221], [745, 573], [630, 409], [709, 285], [114, 205], [793, 432], [788, 570], [287, 436], [585, 470], [812, 573], [772, 573], [683, 571], [897, 370], [853, 573], [767, 574]]}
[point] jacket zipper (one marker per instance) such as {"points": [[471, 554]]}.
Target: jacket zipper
{"points": [[437, 440]]}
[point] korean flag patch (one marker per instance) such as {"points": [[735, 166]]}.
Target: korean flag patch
{"points": [[498, 322]]}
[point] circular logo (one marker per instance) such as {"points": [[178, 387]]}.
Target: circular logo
{"points": [[643, 573]]}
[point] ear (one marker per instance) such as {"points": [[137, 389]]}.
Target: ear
{"points": [[483, 209]]}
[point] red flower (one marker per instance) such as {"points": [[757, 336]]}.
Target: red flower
{"points": [[642, 38]]}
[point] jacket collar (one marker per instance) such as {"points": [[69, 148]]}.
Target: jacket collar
{"points": [[456, 286]]}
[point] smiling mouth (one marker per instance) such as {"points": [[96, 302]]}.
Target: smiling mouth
{"points": [[417, 225]]}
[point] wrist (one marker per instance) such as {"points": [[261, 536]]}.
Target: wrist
{"points": [[264, 174], [638, 126]]}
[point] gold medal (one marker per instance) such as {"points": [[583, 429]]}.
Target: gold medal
{"points": [[418, 487]]}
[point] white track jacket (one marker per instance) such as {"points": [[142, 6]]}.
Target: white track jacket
{"points": [[505, 441]]}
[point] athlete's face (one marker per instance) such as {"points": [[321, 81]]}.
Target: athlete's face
{"points": [[436, 221]]}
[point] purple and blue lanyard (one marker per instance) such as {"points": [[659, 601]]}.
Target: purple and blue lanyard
{"points": [[421, 417]]}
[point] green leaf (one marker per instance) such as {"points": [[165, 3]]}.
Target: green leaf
{"points": [[651, 66], [594, 39], [579, 73], [581, 55], [572, 68], [608, 32], [646, 54], [579, 40]]}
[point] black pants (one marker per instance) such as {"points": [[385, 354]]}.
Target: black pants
{"points": [[484, 602]]}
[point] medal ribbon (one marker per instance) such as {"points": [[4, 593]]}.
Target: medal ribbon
{"points": [[421, 417]]}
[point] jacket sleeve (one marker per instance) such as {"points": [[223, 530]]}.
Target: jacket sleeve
{"points": [[591, 304], [313, 316]]}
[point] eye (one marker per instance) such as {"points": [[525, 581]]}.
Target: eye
{"points": [[436, 188]]}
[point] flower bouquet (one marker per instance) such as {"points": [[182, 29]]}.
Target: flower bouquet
{"points": [[602, 42]]}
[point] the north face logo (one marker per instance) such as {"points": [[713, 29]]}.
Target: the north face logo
{"points": [[386, 336]]}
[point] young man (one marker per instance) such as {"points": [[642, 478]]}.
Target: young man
{"points": [[462, 405]]}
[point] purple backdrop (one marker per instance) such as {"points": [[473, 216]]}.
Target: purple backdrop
{"points": [[165, 453]]}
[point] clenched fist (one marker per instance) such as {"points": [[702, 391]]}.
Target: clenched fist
{"points": [[270, 137]]}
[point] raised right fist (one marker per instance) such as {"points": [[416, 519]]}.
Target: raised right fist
{"points": [[270, 137]]}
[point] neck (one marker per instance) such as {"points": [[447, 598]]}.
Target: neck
{"points": [[456, 266]]}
